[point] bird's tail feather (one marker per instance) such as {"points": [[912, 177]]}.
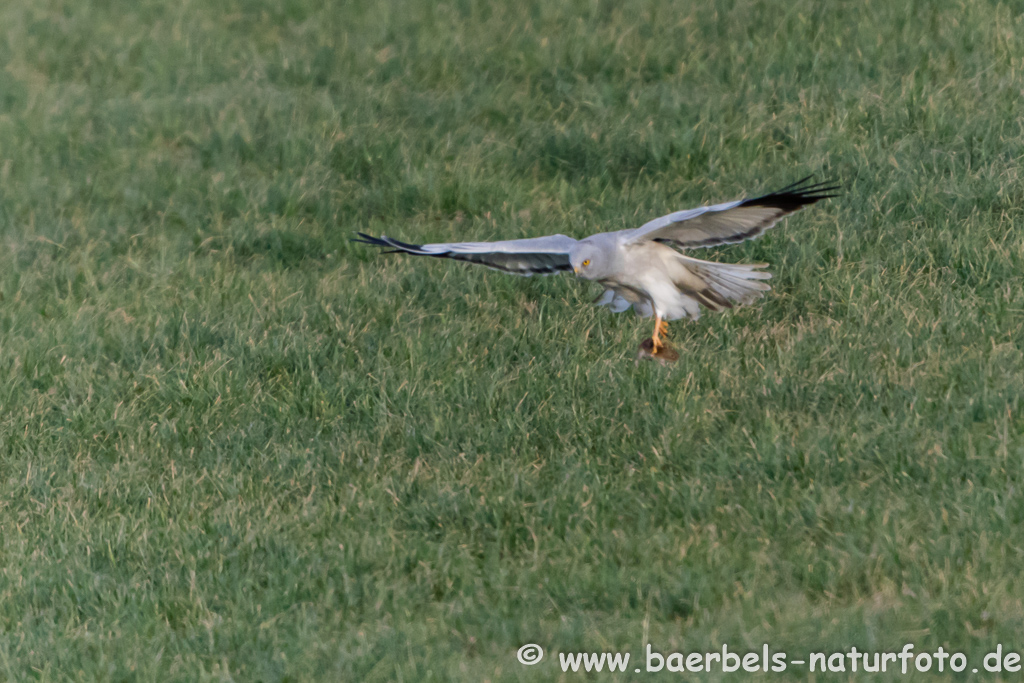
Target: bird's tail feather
{"points": [[728, 282]]}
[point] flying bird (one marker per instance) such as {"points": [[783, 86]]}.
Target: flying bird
{"points": [[645, 268]]}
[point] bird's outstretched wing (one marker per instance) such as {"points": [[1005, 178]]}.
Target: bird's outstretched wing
{"points": [[537, 255], [731, 222]]}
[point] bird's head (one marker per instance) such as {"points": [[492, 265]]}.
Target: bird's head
{"points": [[588, 261]]}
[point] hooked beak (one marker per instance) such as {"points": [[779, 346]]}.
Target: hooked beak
{"points": [[576, 270]]}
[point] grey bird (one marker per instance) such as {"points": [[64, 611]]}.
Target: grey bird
{"points": [[644, 268]]}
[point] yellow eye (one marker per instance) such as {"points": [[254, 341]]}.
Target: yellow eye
{"points": [[586, 263]]}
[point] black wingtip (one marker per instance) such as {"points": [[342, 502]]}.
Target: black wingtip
{"points": [[797, 195], [404, 246], [363, 238], [391, 244]]}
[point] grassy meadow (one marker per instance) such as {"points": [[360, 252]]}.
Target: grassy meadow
{"points": [[236, 446]]}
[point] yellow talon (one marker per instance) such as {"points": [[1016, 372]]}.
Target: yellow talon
{"points": [[659, 328]]}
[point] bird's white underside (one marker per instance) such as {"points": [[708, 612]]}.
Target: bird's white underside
{"points": [[664, 276]]}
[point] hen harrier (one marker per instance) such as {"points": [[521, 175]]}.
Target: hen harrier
{"points": [[639, 268]]}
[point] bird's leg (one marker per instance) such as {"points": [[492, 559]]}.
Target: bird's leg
{"points": [[659, 328]]}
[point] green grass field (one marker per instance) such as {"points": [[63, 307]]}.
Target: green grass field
{"points": [[236, 446]]}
